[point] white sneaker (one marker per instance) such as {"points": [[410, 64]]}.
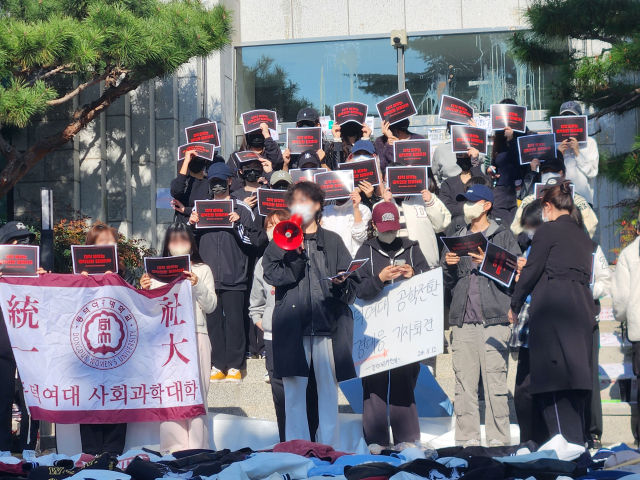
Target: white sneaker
{"points": [[4, 453], [472, 442], [29, 455], [266, 378]]}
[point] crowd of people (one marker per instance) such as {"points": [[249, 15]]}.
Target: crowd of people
{"points": [[292, 307]]}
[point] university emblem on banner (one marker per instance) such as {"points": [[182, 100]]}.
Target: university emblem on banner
{"points": [[104, 334]]}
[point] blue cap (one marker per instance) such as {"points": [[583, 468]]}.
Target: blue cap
{"points": [[476, 193], [219, 170], [365, 145]]}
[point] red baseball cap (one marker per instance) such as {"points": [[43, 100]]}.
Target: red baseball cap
{"points": [[386, 216]]}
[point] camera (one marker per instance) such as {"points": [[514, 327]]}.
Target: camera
{"points": [[398, 38]]}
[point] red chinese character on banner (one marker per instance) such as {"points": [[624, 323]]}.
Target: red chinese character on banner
{"points": [[104, 327], [173, 350], [73, 394], [170, 312], [21, 312]]}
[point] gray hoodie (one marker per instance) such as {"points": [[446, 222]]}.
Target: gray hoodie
{"points": [[262, 301]]}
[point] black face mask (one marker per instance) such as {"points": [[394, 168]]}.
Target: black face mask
{"points": [[305, 124], [251, 175], [218, 186], [350, 129], [464, 163], [22, 241], [255, 140], [280, 186], [196, 165]]}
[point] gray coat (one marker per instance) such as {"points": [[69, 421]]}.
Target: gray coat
{"points": [[263, 299], [494, 298]]}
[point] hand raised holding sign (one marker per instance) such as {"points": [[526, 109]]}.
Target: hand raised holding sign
{"points": [[366, 132], [386, 131], [426, 196], [194, 218], [508, 133], [451, 259], [366, 188], [342, 276], [188, 156], [192, 277], [267, 166], [477, 257], [535, 163], [335, 131], [234, 217], [145, 281], [264, 128]]}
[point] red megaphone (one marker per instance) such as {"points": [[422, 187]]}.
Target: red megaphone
{"points": [[288, 233]]}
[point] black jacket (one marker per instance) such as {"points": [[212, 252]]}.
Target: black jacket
{"points": [[494, 298], [449, 190], [379, 258], [562, 311], [188, 189], [307, 304], [227, 250], [271, 152]]}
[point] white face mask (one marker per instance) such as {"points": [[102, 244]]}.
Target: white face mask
{"points": [[305, 210], [387, 237], [473, 210], [180, 251], [549, 175]]}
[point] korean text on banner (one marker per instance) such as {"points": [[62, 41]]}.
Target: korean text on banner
{"points": [[95, 350], [403, 325]]}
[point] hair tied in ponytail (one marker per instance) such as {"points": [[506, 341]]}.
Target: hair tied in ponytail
{"points": [[565, 187]]}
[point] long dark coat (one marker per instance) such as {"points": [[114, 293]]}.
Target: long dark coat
{"points": [[562, 312]]}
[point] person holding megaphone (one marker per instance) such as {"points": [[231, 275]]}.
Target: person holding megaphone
{"points": [[311, 321]]}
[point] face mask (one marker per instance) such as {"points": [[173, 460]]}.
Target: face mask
{"points": [[473, 211], [350, 129], [176, 252], [304, 210], [464, 163], [387, 237], [549, 175], [196, 165], [22, 241], [270, 234], [251, 175], [218, 188], [530, 233], [255, 141]]}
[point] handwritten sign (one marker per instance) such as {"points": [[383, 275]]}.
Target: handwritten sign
{"points": [[403, 325]]}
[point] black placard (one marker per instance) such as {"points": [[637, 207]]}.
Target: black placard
{"points": [[454, 110], [570, 126], [350, 112], [214, 213], [203, 133], [466, 244], [499, 264], [505, 115], [19, 260], [336, 185], [363, 170], [407, 180], [247, 156], [463, 138], [353, 266], [302, 139], [167, 269], [396, 107], [251, 120], [541, 146], [203, 150], [269, 200], [306, 175], [94, 259], [412, 152]]}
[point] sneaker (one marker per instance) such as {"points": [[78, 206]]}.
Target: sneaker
{"points": [[5, 453], [248, 355], [266, 378], [494, 442], [217, 375], [29, 455], [233, 375], [472, 442]]}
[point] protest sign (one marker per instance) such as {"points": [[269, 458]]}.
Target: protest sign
{"points": [[542, 147], [247, 156], [403, 324], [412, 152], [499, 264], [303, 139], [306, 175], [336, 184], [407, 180], [203, 150], [505, 115], [19, 260], [269, 200], [94, 259], [569, 126], [463, 138], [363, 170], [251, 120], [353, 266], [96, 350], [466, 244], [213, 213], [163, 198], [455, 110], [167, 269], [203, 133], [396, 108], [350, 112]]}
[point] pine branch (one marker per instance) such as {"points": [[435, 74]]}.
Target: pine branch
{"points": [[80, 89], [619, 107]]}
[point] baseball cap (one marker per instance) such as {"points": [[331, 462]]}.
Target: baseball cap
{"points": [[556, 164], [219, 170], [386, 216], [309, 156], [571, 107], [12, 230], [307, 114], [402, 125], [281, 176], [475, 194], [365, 145]]}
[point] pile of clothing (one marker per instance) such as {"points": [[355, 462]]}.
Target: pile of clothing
{"points": [[307, 460]]}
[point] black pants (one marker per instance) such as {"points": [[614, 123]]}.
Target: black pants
{"points": [[277, 390], [635, 359], [530, 419], [393, 390], [7, 390], [563, 413], [28, 426], [103, 438], [505, 204], [593, 404], [226, 330]]}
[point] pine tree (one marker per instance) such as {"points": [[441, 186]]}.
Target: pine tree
{"points": [[47, 43]]}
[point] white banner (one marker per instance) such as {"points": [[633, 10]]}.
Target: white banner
{"points": [[96, 350], [403, 325]]}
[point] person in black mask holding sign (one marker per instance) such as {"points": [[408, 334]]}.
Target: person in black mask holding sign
{"points": [[261, 143], [253, 174], [344, 138]]}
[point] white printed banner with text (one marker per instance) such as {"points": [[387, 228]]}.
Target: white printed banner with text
{"points": [[96, 350], [402, 325]]}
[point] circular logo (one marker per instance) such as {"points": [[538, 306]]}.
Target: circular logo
{"points": [[104, 334]]}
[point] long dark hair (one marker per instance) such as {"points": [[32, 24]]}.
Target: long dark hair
{"points": [[183, 230], [499, 138]]}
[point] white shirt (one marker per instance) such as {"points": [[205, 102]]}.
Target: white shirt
{"points": [[582, 170], [339, 219]]}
